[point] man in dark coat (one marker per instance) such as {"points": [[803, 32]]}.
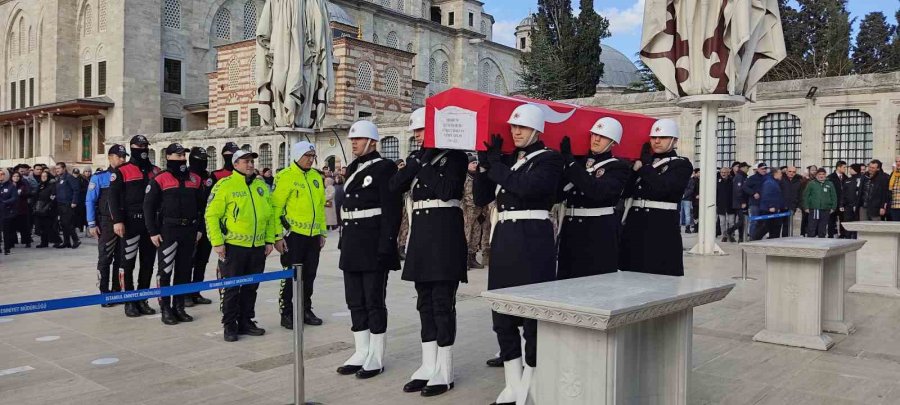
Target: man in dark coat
{"points": [[849, 203], [524, 186], [738, 200], [753, 191], [68, 192], [368, 245], [723, 203], [771, 201], [791, 185], [837, 178], [875, 195], [651, 241], [436, 258]]}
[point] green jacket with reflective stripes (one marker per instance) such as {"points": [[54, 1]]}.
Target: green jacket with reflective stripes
{"points": [[240, 214], [299, 197]]}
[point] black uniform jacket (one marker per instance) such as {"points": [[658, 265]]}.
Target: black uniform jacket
{"points": [[651, 240], [437, 241], [590, 245], [370, 244], [174, 201], [522, 252], [127, 186]]}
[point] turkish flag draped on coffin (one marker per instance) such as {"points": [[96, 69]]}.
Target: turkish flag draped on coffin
{"points": [[464, 119]]}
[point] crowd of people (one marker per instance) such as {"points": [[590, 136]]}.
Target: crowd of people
{"points": [[824, 201]]}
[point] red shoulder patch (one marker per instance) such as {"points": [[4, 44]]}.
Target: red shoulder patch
{"points": [[193, 181], [131, 172], [166, 181]]}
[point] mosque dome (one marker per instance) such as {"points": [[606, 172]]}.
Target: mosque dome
{"points": [[618, 70]]}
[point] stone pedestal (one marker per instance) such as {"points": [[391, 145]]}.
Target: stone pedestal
{"points": [[877, 263], [619, 338], [804, 290]]}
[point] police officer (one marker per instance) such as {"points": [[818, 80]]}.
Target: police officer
{"points": [[197, 164], [524, 186], [173, 213], [299, 201], [651, 240], [227, 168], [100, 224], [240, 225], [371, 220], [127, 187], [589, 231], [436, 259]]}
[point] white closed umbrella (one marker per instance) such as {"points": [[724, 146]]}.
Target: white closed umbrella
{"points": [[710, 54]]}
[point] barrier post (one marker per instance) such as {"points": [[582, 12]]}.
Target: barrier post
{"points": [[299, 394]]}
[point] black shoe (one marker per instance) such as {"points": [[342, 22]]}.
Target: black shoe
{"points": [[107, 305], [495, 362], [188, 303], [231, 332], [435, 390], [182, 316], [310, 318], [28, 245], [63, 246], [287, 322], [198, 299], [131, 310], [415, 385], [76, 244], [144, 308], [367, 374], [168, 317], [250, 328], [348, 370], [41, 246]]}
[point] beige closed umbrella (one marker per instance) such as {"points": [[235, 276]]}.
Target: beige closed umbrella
{"points": [[711, 54]]}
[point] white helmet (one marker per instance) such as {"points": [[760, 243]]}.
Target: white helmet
{"points": [[363, 129], [528, 115], [417, 119], [665, 128], [608, 127]]}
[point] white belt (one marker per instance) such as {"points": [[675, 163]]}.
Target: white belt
{"points": [[659, 205], [369, 213], [523, 214], [590, 212], [425, 204]]}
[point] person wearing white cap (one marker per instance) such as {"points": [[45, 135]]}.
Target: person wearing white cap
{"points": [[524, 185], [651, 240], [299, 202], [436, 257], [371, 220], [589, 230]]}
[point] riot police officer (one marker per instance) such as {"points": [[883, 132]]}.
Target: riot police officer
{"points": [[127, 187], [197, 164], [173, 212], [651, 239], [524, 186], [100, 224], [436, 257], [589, 230], [371, 220]]}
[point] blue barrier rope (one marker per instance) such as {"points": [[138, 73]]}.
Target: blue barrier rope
{"points": [[770, 216], [138, 295]]}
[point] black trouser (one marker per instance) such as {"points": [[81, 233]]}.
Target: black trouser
{"points": [[136, 241], [23, 227], [437, 311], [201, 258], [47, 229], [238, 302], [9, 233], [507, 329], [833, 224], [67, 223], [768, 226], [804, 223], [107, 257], [818, 222], [175, 253], [365, 293], [739, 221], [302, 250]]}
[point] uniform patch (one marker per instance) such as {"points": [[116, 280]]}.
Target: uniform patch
{"points": [[367, 181], [599, 173], [92, 186], [259, 190], [590, 162], [316, 183], [147, 190], [60, 182], [208, 182], [443, 161], [112, 177]]}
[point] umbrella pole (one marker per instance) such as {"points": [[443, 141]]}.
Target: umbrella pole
{"points": [[706, 243]]}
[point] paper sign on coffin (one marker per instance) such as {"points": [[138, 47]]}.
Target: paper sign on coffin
{"points": [[464, 119]]}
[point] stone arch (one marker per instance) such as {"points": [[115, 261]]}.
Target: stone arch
{"points": [[87, 55], [86, 19], [174, 48], [100, 54]]}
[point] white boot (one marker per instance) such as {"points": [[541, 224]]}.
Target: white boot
{"points": [[361, 340], [426, 370], [512, 371], [526, 388], [376, 353], [442, 380]]}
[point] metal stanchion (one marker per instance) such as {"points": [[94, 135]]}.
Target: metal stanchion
{"points": [[743, 275], [299, 374]]}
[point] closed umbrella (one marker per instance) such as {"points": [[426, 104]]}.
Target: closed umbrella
{"points": [[711, 54]]}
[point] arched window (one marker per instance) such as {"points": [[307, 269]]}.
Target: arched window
{"points": [[484, 83], [392, 82], [234, 71], [212, 158], [101, 16], [390, 148], [432, 68], [375, 39], [246, 147], [392, 40], [500, 85], [152, 154], [409, 47], [281, 156], [725, 141], [364, 76], [172, 14], [400, 5], [385, 3], [413, 145], [250, 18], [484, 29], [445, 72], [265, 156], [87, 19], [778, 139], [848, 137], [222, 24]]}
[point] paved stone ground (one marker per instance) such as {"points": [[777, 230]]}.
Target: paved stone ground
{"points": [[190, 364]]}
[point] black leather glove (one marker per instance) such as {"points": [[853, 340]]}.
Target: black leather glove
{"points": [[494, 149], [565, 149], [646, 154], [483, 161]]}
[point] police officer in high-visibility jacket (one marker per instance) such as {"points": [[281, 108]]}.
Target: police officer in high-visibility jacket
{"points": [[436, 252], [523, 249], [100, 223], [299, 201], [592, 186], [240, 226], [371, 220], [651, 240]]}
